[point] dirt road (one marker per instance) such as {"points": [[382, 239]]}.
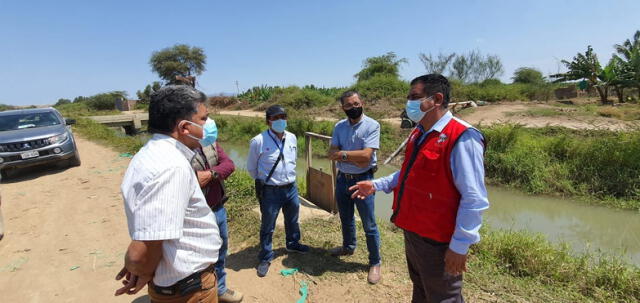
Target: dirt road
{"points": [[66, 234], [511, 112]]}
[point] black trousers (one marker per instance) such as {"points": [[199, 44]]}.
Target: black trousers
{"points": [[431, 283]]}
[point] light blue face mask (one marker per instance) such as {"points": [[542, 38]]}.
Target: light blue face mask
{"points": [[279, 125], [209, 132], [413, 109]]}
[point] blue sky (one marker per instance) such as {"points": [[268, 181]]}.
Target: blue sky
{"points": [[63, 49]]}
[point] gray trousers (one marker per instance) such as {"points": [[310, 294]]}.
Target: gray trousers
{"points": [[431, 283]]}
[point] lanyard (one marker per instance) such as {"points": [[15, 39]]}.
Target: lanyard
{"points": [[281, 148]]}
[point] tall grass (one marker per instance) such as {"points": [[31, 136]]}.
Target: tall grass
{"points": [[530, 256], [599, 164]]}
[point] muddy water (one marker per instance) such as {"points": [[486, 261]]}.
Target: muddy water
{"points": [[583, 227]]}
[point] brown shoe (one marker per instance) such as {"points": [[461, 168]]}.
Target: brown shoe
{"points": [[374, 274], [340, 251], [230, 296]]}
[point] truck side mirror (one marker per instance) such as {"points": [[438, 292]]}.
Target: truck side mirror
{"points": [[406, 123]]}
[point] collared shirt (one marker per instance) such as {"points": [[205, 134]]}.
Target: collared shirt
{"points": [[467, 167], [263, 153], [363, 134], [163, 201]]}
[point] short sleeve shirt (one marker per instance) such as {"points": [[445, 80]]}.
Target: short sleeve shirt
{"points": [[363, 134]]}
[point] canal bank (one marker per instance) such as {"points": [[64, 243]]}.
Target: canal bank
{"points": [[585, 228]]}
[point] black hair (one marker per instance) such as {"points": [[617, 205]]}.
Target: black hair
{"points": [[171, 104], [348, 94], [433, 84]]}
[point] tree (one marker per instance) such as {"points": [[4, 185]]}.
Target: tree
{"points": [[492, 67], [145, 96], [474, 67], [585, 66], [62, 101], [436, 65], [527, 75], [387, 64], [628, 54], [614, 75], [178, 60], [461, 68]]}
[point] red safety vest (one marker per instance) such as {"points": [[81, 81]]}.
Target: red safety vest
{"points": [[429, 202]]}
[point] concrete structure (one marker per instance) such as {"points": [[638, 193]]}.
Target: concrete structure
{"points": [[131, 123]]}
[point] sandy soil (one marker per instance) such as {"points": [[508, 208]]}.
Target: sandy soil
{"points": [[66, 234]]}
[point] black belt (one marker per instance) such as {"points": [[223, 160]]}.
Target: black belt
{"points": [[185, 286], [356, 176], [280, 186]]}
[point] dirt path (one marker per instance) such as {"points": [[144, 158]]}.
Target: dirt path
{"points": [[66, 233], [512, 112], [257, 114]]}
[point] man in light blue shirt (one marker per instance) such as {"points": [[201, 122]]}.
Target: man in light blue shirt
{"points": [[430, 197], [353, 144], [272, 163]]}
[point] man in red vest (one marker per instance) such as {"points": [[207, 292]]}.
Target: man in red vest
{"points": [[439, 194]]}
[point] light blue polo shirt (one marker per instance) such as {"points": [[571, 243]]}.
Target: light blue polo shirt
{"points": [[364, 134]]}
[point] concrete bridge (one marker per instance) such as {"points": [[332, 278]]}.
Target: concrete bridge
{"points": [[131, 123]]}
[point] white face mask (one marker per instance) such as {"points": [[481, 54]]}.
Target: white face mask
{"points": [[209, 132], [414, 112]]}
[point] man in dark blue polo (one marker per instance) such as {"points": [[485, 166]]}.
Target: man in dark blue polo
{"points": [[354, 144]]}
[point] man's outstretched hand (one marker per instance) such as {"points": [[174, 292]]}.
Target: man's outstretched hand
{"points": [[362, 189]]}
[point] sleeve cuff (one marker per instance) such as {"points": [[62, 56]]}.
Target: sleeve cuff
{"points": [[377, 186], [156, 235], [459, 247]]}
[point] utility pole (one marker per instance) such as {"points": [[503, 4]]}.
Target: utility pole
{"points": [[237, 88]]}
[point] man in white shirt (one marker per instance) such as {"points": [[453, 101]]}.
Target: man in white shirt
{"points": [[175, 238], [272, 163]]}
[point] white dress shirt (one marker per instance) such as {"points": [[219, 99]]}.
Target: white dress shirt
{"points": [[263, 153], [163, 201]]}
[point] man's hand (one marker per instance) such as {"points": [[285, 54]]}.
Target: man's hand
{"points": [[132, 283], [454, 264], [204, 177], [362, 189], [335, 156]]}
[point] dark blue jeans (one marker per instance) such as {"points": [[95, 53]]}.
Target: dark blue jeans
{"points": [[365, 209], [221, 219], [274, 199]]}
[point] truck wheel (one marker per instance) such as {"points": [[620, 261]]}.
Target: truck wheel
{"points": [[75, 160]]}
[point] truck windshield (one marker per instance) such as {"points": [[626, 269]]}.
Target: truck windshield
{"points": [[22, 121]]}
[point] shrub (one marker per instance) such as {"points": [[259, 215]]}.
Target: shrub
{"points": [[381, 86]]}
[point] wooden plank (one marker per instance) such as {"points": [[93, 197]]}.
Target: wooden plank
{"points": [[320, 190]]}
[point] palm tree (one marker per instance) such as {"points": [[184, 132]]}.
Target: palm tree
{"points": [[629, 56], [585, 66]]}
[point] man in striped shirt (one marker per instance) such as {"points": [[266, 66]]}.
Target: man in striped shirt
{"points": [[175, 238]]}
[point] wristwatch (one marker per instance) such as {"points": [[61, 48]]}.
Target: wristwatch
{"points": [[344, 156], [214, 174]]}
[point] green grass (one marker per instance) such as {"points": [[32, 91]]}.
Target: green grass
{"points": [[91, 130], [601, 166]]}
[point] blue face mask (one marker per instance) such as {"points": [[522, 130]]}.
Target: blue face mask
{"points": [[413, 110], [209, 132], [279, 125]]}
